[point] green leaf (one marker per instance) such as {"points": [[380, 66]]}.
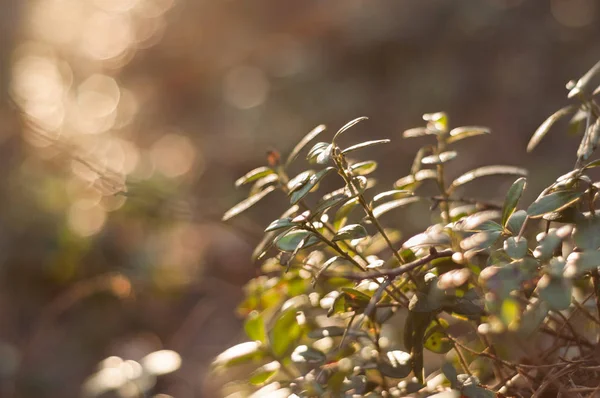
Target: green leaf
{"points": [[285, 332], [261, 183], [556, 292], [298, 181], [486, 171], [348, 125], [267, 241], [460, 133], [307, 138], [356, 295], [465, 307], [329, 201], [349, 300], [480, 241], [353, 231], [395, 364], [435, 338], [325, 155], [319, 152], [365, 144], [515, 221], [548, 123], [415, 180], [512, 199], [443, 157], [592, 164], [384, 208], [253, 175], [393, 194], [581, 262], [510, 311], [515, 247], [281, 223], [301, 192], [240, 353], [363, 168], [290, 241], [246, 203], [553, 202], [481, 220], [264, 373], [255, 327], [432, 237]]}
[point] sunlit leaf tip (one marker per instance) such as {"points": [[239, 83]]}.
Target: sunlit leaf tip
{"points": [[548, 123], [303, 142], [349, 125], [246, 203]]}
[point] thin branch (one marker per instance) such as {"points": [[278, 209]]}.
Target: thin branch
{"points": [[393, 273]]}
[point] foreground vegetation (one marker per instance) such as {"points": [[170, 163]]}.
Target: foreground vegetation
{"points": [[492, 299]]}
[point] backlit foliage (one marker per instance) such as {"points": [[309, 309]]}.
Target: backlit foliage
{"points": [[492, 299]]}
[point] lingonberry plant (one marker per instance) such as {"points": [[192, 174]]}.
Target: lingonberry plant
{"points": [[488, 301]]}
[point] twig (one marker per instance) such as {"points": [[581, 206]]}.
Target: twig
{"points": [[393, 273]]}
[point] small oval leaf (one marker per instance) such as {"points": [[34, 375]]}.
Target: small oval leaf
{"points": [[349, 125], [435, 338], [553, 202], [253, 175], [515, 221], [281, 223], [284, 333], [460, 133], [290, 241], [392, 194], [363, 168], [313, 180], [303, 142], [352, 231], [255, 327], [384, 208], [245, 204], [548, 123], [486, 171], [240, 353], [515, 248], [414, 180], [512, 199], [365, 144]]}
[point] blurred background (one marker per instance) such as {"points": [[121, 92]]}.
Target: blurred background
{"points": [[124, 123]]}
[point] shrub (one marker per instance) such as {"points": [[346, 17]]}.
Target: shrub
{"points": [[488, 301]]}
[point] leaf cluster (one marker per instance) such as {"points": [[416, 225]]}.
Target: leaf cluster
{"points": [[347, 306]]}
